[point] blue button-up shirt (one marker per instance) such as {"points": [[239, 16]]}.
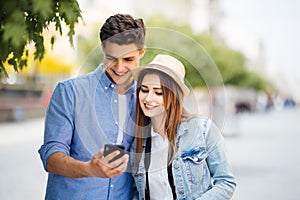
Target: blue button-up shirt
{"points": [[81, 117]]}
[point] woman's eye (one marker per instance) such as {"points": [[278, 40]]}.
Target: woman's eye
{"points": [[158, 93], [144, 90]]}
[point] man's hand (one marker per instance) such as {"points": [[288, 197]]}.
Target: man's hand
{"points": [[100, 166]]}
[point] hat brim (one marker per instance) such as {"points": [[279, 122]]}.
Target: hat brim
{"points": [[136, 73]]}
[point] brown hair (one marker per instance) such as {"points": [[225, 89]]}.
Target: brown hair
{"points": [[123, 29], [173, 103]]}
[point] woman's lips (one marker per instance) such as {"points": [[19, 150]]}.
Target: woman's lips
{"points": [[150, 107]]}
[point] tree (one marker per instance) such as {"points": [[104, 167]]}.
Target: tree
{"points": [[23, 21]]}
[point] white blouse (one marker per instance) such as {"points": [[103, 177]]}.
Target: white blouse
{"points": [[158, 174]]}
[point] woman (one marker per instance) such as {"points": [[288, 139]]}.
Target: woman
{"points": [[185, 157]]}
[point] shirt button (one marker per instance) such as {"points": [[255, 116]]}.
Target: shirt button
{"points": [[105, 88], [116, 101], [176, 166], [116, 122], [112, 86], [181, 191], [111, 185]]}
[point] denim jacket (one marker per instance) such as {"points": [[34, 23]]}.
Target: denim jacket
{"points": [[201, 169]]}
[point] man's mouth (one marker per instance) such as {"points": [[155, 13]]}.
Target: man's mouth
{"points": [[119, 73]]}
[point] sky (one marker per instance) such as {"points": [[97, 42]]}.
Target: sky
{"points": [[277, 25]]}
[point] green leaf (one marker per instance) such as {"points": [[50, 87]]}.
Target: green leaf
{"points": [[23, 63], [58, 25], [39, 46], [3, 70], [14, 32], [52, 41], [24, 21], [43, 7]]}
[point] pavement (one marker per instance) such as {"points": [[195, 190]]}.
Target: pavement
{"points": [[265, 156]]}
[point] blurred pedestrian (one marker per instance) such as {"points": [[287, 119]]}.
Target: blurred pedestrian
{"points": [[289, 103], [83, 115], [175, 155]]}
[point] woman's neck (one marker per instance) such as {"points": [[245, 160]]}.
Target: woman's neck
{"points": [[158, 124]]}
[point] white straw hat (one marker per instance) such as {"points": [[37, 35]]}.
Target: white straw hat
{"points": [[170, 66]]}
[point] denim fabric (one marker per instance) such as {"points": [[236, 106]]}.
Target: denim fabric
{"points": [[82, 116], [200, 168]]}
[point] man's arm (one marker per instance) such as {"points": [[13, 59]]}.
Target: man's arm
{"points": [[98, 166], [59, 126]]}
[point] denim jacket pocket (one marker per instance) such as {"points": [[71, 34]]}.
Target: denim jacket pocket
{"points": [[195, 167]]}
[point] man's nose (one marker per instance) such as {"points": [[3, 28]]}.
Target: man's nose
{"points": [[119, 64]]}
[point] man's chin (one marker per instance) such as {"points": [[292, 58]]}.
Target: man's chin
{"points": [[124, 79], [124, 83]]}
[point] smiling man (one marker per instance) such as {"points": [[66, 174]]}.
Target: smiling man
{"points": [[85, 113]]}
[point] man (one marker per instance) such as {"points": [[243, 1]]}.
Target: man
{"points": [[84, 114]]}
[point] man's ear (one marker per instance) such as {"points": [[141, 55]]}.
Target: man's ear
{"points": [[142, 52]]}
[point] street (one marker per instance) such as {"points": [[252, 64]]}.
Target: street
{"points": [[21, 172], [264, 156]]}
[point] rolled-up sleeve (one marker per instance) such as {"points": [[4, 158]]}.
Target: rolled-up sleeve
{"points": [[59, 122]]}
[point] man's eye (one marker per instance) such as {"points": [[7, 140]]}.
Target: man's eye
{"points": [[129, 59], [110, 58]]}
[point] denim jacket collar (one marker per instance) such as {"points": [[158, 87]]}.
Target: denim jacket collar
{"points": [[182, 129]]}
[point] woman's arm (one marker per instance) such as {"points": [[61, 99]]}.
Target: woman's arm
{"points": [[219, 166]]}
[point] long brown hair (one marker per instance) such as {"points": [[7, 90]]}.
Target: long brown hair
{"points": [[173, 103]]}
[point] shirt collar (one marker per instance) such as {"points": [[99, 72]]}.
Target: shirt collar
{"points": [[103, 78], [107, 83], [153, 133]]}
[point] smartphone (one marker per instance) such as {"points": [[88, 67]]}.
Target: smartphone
{"points": [[109, 148]]}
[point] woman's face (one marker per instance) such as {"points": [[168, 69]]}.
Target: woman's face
{"points": [[151, 96]]}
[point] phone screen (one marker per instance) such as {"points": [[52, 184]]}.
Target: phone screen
{"points": [[109, 148]]}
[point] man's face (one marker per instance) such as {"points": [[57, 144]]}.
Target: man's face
{"points": [[119, 60]]}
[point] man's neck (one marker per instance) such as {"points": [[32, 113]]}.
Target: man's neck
{"points": [[124, 83]]}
